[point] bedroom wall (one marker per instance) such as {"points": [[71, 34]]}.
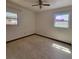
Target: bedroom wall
{"points": [[30, 22], [26, 23], [45, 25]]}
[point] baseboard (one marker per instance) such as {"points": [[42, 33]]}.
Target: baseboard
{"points": [[38, 35], [20, 38], [53, 39]]}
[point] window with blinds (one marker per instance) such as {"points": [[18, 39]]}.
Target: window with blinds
{"points": [[11, 18]]}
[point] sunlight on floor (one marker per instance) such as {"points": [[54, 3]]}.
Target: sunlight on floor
{"points": [[62, 48]]}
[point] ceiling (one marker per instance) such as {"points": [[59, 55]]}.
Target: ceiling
{"points": [[53, 3]]}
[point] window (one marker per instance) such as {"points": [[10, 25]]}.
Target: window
{"points": [[61, 20], [11, 18]]}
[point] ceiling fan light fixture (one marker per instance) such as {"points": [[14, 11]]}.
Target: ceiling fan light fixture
{"points": [[40, 4]]}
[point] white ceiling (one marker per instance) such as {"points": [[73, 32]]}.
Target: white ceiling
{"points": [[54, 4]]}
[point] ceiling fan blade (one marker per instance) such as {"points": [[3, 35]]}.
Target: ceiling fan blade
{"points": [[35, 5], [46, 4]]}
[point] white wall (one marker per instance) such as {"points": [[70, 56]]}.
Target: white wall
{"points": [[46, 27], [42, 23], [26, 23]]}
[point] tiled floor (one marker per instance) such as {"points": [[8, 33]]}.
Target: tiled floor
{"points": [[36, 47]]}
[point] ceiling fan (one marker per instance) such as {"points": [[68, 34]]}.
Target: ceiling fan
{"points": [[40, 4]]}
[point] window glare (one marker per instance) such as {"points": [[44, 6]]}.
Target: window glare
{"points": [[11, 14]]}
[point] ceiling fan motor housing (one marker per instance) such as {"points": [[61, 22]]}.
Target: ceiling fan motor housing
{"points": [[40, 4]]}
